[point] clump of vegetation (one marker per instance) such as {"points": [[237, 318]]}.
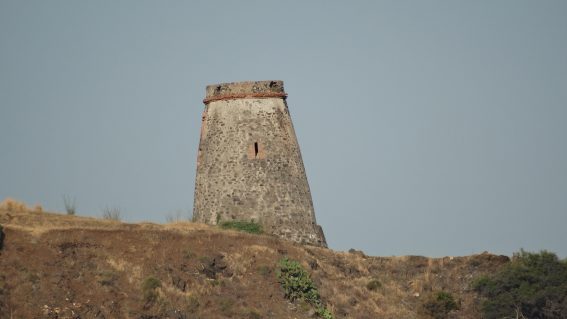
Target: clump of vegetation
{"points": [[174, 217], [264, 270], [532, 285], [70, 205], [2, 237], [439, 305], [107, 278], [111, 213], [12, 205], [373, 285], [192, 304], [226, 307], [204, 259], [249, 227], [32, 277], [252, 314], [188, 254], [297, 285], [15, 206], [149, 287]]}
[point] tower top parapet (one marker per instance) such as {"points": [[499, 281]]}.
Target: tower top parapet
{"points": [[242, 90]]}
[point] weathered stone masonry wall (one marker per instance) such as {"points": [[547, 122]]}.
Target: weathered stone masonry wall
{"points": [[249, 165]]}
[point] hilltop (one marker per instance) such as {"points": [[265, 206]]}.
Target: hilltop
{"points": [[61, 266]]}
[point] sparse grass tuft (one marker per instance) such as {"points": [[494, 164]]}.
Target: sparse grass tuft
{"points": [[204, 259], [252, 314], [264, 270], [188, 254], [373, 285], [226, 307], [111, 213], [192, 304], [248, 227], [70, 205], [149, 287], [174, 217], [107, 278]]}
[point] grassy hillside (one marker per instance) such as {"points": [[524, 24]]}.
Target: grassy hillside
{"points": [[60, 266]]}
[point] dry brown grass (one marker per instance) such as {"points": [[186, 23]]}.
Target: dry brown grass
{"points": [[13, 206], [131, 252]]}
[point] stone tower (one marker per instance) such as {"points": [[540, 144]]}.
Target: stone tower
{"points": [[249, 166]]}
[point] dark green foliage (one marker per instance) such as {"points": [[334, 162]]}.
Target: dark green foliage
{"points": [[296, 282], [149, 287], [249, 227], [439, 305], [533, 285], [373, 285], [297, 285]]}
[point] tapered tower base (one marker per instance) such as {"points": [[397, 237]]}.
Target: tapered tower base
{"points": [[249, 166]]}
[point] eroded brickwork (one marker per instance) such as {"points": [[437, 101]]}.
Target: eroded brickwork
{"points": [[249, 166]]}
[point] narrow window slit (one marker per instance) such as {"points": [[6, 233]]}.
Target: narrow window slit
{"points": [[255, 149]]}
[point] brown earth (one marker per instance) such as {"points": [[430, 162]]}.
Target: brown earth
{"points": [[60, 266]]}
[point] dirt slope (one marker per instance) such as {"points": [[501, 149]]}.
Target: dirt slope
{"points": [[58, 266]]}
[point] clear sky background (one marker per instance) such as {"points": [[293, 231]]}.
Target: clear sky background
{"points": [[426, 127]]}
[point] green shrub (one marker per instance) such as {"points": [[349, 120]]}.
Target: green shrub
{"points": [[297, 285], [149, 287], [532, 285], [373, 285], [249, 227], [439, 305], [324, 312]]}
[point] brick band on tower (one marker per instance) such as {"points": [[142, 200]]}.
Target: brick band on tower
{"points": [[249, 166]]}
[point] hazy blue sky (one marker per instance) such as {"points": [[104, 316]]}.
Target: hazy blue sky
{"points": [[426, 127]]}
